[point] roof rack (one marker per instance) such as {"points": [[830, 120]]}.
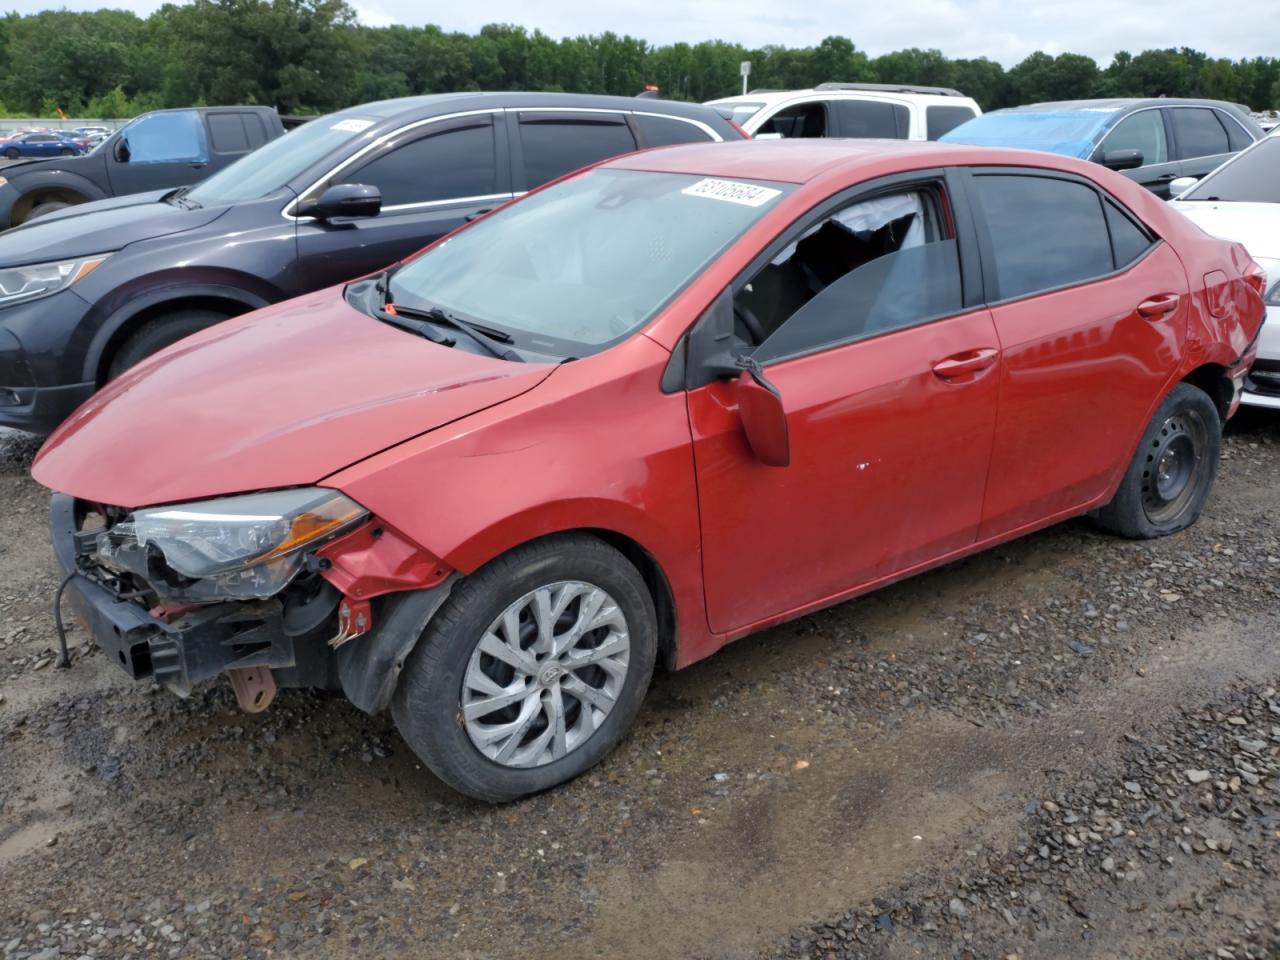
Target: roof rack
{"points": [[891, 88], [766, 90]]}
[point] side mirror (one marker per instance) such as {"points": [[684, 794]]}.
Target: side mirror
{"points": [[1120, 159], [763, 418], [1181, 185], [345, 200], [120, 152]]}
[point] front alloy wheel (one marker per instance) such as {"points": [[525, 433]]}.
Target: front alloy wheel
{"points": [[546, 674], [532, 670]]}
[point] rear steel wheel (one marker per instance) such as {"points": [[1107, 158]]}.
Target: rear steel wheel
{"points": [[1169, 478], [1173, 476], [546, 674]]}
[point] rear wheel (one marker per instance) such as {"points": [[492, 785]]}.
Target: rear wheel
{"points": [[532, 671], [1169, 479], [66, 152], [159, 333]]}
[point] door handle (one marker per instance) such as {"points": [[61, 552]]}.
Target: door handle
{"points": [[1161, 305], [197, 166], [478, 214], [1164, 178], [962, 364]]}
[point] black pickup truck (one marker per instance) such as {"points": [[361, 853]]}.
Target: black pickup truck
{"points": [[166, 148]]}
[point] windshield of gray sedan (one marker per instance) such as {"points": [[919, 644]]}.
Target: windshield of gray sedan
{"points": [[580, 265]]}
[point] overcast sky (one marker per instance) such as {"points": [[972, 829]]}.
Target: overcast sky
{"points": [[1004, 30]]}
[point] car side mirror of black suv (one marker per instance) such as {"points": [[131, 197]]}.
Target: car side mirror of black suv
{"points": [[343, 200], [1120, 159], [120, 152]]}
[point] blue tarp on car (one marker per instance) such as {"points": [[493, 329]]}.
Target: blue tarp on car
{"points": [[1071, 133]]}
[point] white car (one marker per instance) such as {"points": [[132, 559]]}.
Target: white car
{"points": [[1241, 201], [891, 111]]}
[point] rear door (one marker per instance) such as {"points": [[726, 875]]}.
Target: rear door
{"points": [[1145, 130], [1200, 139], [433, 177], [1091, 316], [159, 150], [548, 143]]}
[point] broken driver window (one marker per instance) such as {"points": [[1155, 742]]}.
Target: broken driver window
{"points": [[872, 267]]}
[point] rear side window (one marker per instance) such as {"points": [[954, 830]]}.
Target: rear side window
{"points": [[1045, 233], [554, 144], [1128, 240], [802, 120], [1237, 138], [941, 120], [255, 129], [450, 164], [663, 131], [873, 118], [1199, 132], [228, 133]]}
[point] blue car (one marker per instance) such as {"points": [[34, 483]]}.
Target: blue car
{"points": [[1153, 141], [39, 144]]}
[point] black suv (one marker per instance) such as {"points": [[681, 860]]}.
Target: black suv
{"points": [[89, 291], [159, 150]]}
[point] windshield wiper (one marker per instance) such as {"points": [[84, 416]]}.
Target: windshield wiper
{"points": [[478, 333], [412, 325]]}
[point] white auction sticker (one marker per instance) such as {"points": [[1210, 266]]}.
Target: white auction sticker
{"points": [[352, 125], [731, 191]]}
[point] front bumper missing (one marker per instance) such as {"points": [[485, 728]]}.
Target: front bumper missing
{"points": [[197, 646]]}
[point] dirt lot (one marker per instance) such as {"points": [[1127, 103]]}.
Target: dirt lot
{"points": [[1068, 747]]}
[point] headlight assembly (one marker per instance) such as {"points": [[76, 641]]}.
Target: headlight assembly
{"points": [[43, 279], [1273, 295], [233, 547]]}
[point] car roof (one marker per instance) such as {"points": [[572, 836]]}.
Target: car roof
{"points": [[801, 160], [770, 97], [413, 108], [1113, 104]]}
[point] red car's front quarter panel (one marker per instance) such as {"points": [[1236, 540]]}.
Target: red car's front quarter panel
{"points": [[597, 446]]}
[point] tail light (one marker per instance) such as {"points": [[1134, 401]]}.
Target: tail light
{"points": [[738, 127], [1256, 277]]}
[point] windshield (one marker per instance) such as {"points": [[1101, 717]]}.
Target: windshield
{"points": [[272, 166], [1252, 177], [739, 113], [1069, 133], [576, 267]]}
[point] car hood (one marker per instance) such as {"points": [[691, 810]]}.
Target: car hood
{"points": [[101, 226], [281, 397], [1256, 225]]}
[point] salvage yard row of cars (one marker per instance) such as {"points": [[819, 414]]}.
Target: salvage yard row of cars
{"points": [[624, 408]]}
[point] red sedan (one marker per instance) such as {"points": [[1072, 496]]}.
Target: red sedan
{"points": [[645, 410]]}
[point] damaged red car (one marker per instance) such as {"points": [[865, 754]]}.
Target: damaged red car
{"points": [[641, 412]]}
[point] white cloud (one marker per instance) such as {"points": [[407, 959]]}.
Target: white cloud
{"points": [[1003, 30]]}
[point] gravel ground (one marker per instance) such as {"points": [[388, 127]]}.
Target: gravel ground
{"points": [[1068, 746]]}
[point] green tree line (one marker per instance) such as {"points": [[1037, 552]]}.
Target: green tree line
{"points": [[307, 56]]}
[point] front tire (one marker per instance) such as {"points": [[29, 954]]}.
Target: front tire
{"points": [[159, 333], [1168, 482], [532, 671], [12, 153], [49, 206]]}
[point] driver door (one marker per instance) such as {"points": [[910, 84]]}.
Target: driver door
{"points": [[887, 365]]}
